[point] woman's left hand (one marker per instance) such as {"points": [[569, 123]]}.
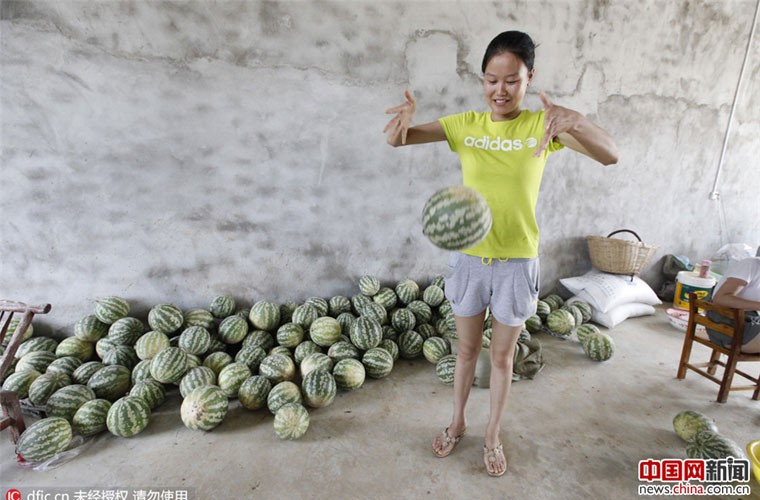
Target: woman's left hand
{"points": [[557, 120]]}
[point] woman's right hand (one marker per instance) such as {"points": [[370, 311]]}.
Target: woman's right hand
{"points": [[399, 124]]}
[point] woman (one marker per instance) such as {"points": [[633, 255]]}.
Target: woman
{"points": [[503, 152], [740, 288]]}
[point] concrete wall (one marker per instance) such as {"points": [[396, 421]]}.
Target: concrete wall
{"points": [[173, 151]]}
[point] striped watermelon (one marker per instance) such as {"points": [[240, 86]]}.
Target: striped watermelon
{"points": [[217, 361], [104, 345], [232, 377], [319, 388], [20, 382], [444, 369], [277, 368], [34, 344], [36, 361], [204, 408], [82, 374], [165, 318], [194, 340], [433, 295], [346, 321], [72, 346], [598, 346], [90, 329], [304, 349], [283, 393], [45, 385], [575, 311], [290, 335], [150, 344], [439, 281], [65, 365], [90, 418], [534, 324], [110, 309], [280, 349], [193, 361], [343, 350], [585, 309], [291, 421], [360, 300], [543, 309], [124, 355], [141, 371], [286, 311], [554, 301], [199, 317], [320, 304], [366, 333], [128, 416], [421, 310], [66, 401], [150, 391], [369, 285], [233, 329], [410, 344], [265, 315], [711, 445], [304, 315], [315, 361], [386, 297], [391, 346], [169, 365], [375, 311], [251, 357], [349, 374], [561, 322], [110, 382], [403, 320], [254, 391], [407, 291], [435, 348], [196, 377], [584, 330], [259, 338], [688, 423], [126, 331], [426, 331], [44, 439], [377, 362], [222, 306], [325, 331], [216, 345], [456, 217], [338, 305]]}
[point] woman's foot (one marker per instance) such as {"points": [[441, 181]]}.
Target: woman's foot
{"points": [[496, 462], [445, 442]]}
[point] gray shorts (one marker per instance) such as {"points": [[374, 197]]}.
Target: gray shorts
{"points": [[510, 287]]}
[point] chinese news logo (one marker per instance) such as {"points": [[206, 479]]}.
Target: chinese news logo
{"points": [[694, 476]]}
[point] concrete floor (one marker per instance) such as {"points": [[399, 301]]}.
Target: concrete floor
{"points": [[575, 432]]}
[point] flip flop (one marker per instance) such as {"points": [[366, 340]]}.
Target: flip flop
{"points": [[491, 456], [448, 442]]}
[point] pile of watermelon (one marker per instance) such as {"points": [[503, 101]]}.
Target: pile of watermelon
{"points": [[703, 438], [562, 319], [289, 359]]}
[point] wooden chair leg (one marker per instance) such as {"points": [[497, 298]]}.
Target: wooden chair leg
{"points": [[685, 354], [714, 358], [728, 377], [12, 417]]}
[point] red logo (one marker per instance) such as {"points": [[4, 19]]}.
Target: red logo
{"points": [[13, 495]]}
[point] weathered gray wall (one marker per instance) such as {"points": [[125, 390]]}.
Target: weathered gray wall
{"points": [[171, 151]]}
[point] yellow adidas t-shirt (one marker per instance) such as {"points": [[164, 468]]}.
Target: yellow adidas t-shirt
{"points": [[497, 160]]}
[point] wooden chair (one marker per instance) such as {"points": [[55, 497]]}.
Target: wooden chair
{"points": [[733, 352], [11, 416]]}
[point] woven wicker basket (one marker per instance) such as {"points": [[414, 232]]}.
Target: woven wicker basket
{"points": [[616, 256]]}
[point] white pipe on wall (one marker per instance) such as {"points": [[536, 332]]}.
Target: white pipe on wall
{"points": [[715, 194]]}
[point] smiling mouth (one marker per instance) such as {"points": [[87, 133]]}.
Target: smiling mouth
{"points": [[500, 102]]}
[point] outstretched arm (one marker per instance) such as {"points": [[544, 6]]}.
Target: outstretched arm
{"points": [[577, 132], [727, 295], [401, 133]]}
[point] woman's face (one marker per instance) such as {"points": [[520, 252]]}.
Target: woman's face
{"points": [[504, 85]]}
